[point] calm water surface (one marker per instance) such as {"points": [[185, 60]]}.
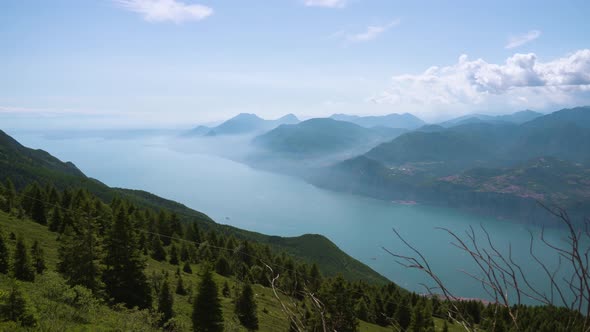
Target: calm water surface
{"points": [[236, 194]]}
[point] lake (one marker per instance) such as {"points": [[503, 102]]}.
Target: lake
{"points": [[235, 194]]}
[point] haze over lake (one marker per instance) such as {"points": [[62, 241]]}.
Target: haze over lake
{"points": [[235, 194]]}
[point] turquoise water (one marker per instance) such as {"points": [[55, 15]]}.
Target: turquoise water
{"points": [[238, 195]]}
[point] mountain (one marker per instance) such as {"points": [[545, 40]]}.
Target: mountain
{"points": [[406, 120], [197, 131], [322, 136], [246, 123], [515, 118], [25, 166], [515, 166]]}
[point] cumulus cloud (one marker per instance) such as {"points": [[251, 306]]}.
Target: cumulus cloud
{"points": [[522, 81], [166, 10], [325, 3], [520, 40], [372, 32]]}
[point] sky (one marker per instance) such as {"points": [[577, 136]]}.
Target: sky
{"points": [[173, 63]]}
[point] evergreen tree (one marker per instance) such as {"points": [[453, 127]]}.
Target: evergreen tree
{"points": [[339, 305], [184, 253], [4, 255], [80, 255], [10, 195], [38, 208], [180, 289], [16, 308], [187, 267], [173, 255], [245, 309], [225, 290], [417, 321], [165, 302], [362, 310], [38, 257], [222, 267], [55, 223], [207, 315], [158, 252], [22, 267], [124, 277], [315, 278], [403, 315]]}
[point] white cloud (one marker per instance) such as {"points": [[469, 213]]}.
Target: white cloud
{"points": [[522, 81], [166, 10], [520, 40], [325, 3], [372, 32]]}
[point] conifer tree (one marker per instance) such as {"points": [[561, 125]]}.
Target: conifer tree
{"points": [[362, 309], [417, 323], [225, 290], [56, 220], [245, 309], [124, 277], [158, 252], [80, 255], [207, 315], [38, 257], [180, 289], [184, 254], [38, 208], [165, 302], [10, 194], [340, 306], [16, 308], [173, 255], [22, 267], [187, 267], [4, 255], [403, 313]]}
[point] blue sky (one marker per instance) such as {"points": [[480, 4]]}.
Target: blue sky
{"points": [[166, 63]]}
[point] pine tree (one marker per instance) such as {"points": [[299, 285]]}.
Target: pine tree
{"points": [[403, 313], [158, 252], [207, 315], [180, 289], [245, 309], [4, 255], [417, 319], [10, 194], [124, 277], [16, 308], [80, 255], [173, 255], [38, 257], [22, 267], [55, 223], [38, 208], [184, 254], [165, 302], [340, 306], [187, 267], [362, 310], [225, 290]]}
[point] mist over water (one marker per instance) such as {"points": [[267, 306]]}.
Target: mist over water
{"points": [[233, 193]]}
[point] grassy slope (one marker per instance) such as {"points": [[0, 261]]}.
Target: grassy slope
{"points": [[56, 316]]}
